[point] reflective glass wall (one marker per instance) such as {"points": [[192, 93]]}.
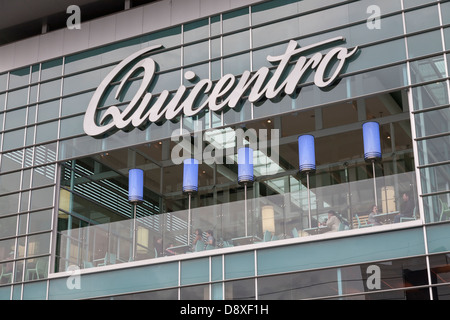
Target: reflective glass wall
{"points": [[402, 61], [95, 216]]}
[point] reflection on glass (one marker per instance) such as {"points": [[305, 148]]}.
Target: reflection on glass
{"points": [[269, 218]]}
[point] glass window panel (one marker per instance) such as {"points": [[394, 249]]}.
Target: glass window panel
{"points": [[28, 159], [194, 271], [7, 252], [31, 119], [2, 101], [379, 80], [18, 78], [430, 95], [83, 61], [424, 43], [434, 150], [84, 81], [17, 98], [33, 94], [45, 154], [201, 71], [272, 33], [8, 227], [48, 111], [260, 56], [194, 293], [196, 30], [440, 268], [261, 13], [15, 118], [414, 3], [374, 56], [35, 291], [9, 182], [12, 160], [101, 56], [435, 179], [235, 20], [436, 209], [13, 139], [38, 244], [51, 69], [432, 122], [196, 52], [168, 59], [43, 175], [41, 198], [445, 12], [47, 132], [167, 81], [422, 19], [9, 204], [24, 201], [239, 265], [35, 73], [236, 42], [72, 127], [23, 222], [428, 69], [236, 65], [240, 290], [50, 90], [75, 104], [3, 81]]}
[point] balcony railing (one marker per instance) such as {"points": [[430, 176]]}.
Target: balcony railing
{"points": [[269, 218]]}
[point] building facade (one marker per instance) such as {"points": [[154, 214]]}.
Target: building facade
{"points": [[152, 85]]}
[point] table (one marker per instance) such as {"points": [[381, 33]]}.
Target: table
{"points": [[316, 230], [245, 240], [178, 249], [386, 218]]}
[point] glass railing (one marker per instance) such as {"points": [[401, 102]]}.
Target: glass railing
{"points": [[234, 224]]}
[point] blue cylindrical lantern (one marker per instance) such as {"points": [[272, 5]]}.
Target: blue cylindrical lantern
{"points": [[245, 165], [306, 153], [190, 175], [136, 185], [371, 136]]}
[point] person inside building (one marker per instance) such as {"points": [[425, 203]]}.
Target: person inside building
{"points": [[406, 208], [210, 241], [333, 221], [372, 219]]}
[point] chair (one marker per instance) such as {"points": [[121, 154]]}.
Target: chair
{"points": [[199, 246], [209, 247], [295, 233], [403, 219], [39, 270], [87, 264], [227, 244], [110, 258], [5, 274], [363, 223], [267, 236], [444, 212]]}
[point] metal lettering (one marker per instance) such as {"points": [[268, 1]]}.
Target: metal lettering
{"points": [[144, 107]]}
